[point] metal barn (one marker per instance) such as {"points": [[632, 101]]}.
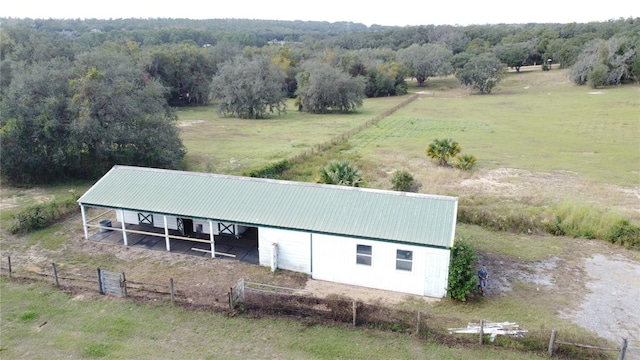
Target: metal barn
{"points": [[374, 238]]}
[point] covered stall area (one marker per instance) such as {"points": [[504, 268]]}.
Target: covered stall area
{"points": [[188, 236]]}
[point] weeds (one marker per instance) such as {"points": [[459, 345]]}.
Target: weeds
{"points": [[40, 216]]}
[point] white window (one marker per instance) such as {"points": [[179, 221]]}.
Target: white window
{"points": [[363, 254], [404, 260]]}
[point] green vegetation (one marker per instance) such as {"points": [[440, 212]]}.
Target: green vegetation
{"points": [[234, 146], [442, 150], [341, 173], [42, 215], [462, 276], [535, 120], [466, 162], [482, 73], [59, 325], [249, 89], [403, 181]]}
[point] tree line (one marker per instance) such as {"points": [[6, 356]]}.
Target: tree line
{"points": [[78, 96]]}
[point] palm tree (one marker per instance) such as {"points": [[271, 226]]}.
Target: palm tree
{"points": [[442, 150], [341, 173]]}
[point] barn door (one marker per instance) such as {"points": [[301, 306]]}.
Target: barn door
{"points": [[435, 282], [185, 226]]}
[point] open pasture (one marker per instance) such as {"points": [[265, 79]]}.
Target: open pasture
{"points": [[227, 145], [534, 120]]}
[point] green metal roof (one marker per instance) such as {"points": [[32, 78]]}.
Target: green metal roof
{"points": [[341, 210]]}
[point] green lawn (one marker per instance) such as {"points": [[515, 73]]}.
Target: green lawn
{"points": [[40, 322]]}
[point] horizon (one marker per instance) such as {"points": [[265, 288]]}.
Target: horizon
{"points": [[412, 13]]}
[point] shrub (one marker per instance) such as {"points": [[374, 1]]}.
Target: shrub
{"points": [[341, 173], [270, 171], [40, 216], [443, 149], [404, 181], [597, 76], [625, 234], [462, 277], [466, 162]]}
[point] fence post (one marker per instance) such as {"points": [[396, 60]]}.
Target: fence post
{"points": [[55, 274], [100, 282], [623, 349], [552, 341], [9, 258], [123, 284], [481, 332], [173, 298], [418, 324], [354, 313]]}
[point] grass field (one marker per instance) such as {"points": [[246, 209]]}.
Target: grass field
{"points": [[536, 122], [553, 140], [58, 325], [228, 145]]}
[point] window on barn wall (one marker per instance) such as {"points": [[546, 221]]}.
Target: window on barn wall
{"points": [[145, 219], [364, 254], [404, 260]]}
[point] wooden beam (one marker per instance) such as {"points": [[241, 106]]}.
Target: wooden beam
{"points": [[209, 252], [99, 215]]}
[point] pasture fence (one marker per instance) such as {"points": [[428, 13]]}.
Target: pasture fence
{"points": [[255, 299], [322, 147], [622, 350]]}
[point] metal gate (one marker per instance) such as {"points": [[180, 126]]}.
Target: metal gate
{"points": [[112, 283]]}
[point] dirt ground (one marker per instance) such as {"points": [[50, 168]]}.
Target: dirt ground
{"points": [[601, 281]]}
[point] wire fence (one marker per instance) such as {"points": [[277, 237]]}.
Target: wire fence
{"points": [[260, 300], [301, 157]]}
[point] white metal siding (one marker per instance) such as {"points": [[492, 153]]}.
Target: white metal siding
{"points": [[334, 259], [294, 249]]}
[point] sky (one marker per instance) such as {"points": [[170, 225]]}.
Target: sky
{"points": [[381, 12]]}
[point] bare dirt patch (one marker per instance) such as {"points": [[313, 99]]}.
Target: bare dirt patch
{"points": [[13, 200], [600, 282], [324, 289], [185, 123]]}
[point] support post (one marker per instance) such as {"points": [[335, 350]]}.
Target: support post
{"points": [[100, 282], [213, 241], [124, 228], [84, 222], [274, 257], [55, 274], [623, 349], [481, 332], [552, 342], [166, 233], [418, 324], [9, 259], [173, 298], [354, 313]]}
